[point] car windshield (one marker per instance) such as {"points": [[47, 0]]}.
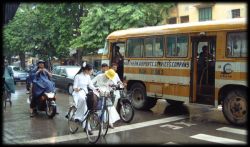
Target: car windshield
{"points": [[17, 69], [72, 71]]}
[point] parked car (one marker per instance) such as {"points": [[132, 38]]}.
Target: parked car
{"points": [[63, 76], [19, 74]]}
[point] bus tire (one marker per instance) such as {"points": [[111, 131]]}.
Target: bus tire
{"points": [[234, 107], [173, 102], [139, 98]]}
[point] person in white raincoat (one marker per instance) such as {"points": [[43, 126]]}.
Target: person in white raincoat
{"points": [[103, 82], [82, 80]]}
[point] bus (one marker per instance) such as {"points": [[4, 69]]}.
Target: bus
{"points": [[166, 62]]}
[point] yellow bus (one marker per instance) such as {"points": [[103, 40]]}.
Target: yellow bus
{"points": [[168, 62]]}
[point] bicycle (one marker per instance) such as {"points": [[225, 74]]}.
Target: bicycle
{"points": [[104, 116], [92, 123], [6, 97]]}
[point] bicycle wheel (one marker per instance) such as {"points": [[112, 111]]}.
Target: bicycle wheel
{"points": [[105, 121], [73, 126], [94, 125]]}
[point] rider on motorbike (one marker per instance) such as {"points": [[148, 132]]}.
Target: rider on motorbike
{"points": [[40, 83]]}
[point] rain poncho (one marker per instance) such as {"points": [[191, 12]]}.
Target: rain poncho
{"points": [[8, 81], [42, 84]]}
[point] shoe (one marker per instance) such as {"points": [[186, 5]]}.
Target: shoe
{"points": [[90, 132], [77, 121], [111, 126], [57, 113]]}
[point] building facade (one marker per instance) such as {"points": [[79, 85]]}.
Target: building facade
{"points": [[195, 12]]}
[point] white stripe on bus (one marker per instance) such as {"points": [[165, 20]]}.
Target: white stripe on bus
{"points": [[236, 66], [159, 78]]}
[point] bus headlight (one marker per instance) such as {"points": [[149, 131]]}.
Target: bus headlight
{"points": [[227, 68]]}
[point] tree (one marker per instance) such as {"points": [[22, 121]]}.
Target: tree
{"points": [[104, 18], [43, 29]]}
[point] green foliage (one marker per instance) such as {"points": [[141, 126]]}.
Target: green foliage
{"points": [[45, 30], [51, 29], [104, 18]]}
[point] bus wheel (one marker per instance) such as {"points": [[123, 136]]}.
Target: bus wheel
{"points": [[140, 99], [173, 102], [234, 107]]}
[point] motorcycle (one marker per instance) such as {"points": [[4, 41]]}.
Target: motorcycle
{"points": [[44, 88], [46, 102], [124, 104]]}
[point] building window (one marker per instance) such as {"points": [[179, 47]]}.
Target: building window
{"points": [[184, 19], [172, 20], [236, 13], [205, 14]]}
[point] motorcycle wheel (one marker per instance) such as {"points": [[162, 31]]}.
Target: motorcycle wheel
{"points": [[126, 112], [51, 110]]}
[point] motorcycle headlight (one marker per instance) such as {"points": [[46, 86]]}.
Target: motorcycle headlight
{"points": [[50, 95]]}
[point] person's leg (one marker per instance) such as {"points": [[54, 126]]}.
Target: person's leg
{"points": [[113, 116]]}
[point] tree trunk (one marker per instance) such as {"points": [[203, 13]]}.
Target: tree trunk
{"points": [[22, 59]]}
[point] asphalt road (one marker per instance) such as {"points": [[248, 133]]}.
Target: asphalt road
{"points": [[163, 124]]}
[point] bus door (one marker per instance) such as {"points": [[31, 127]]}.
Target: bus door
{"points": [[203, 69], [117, 56]]}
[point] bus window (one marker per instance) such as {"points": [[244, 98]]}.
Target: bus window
{"points": [[177, 46], [122, 48], [148, 43], [182, 46], [153, 47], [236, 45], [170, 46], [106, 48], [134, 48]]}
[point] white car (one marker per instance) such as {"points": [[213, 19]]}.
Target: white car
{"points": [[18, 74]]}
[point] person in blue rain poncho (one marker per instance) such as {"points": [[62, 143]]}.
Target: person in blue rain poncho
{"points": [[40, 83]]}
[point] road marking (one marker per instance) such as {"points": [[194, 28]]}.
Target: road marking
{"points": [[184, 123], [82, 135], [170, 143], [233, 130], [171, 126], [216, 139]]}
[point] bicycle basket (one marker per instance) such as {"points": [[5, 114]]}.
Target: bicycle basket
{"points": [[91, 100]]}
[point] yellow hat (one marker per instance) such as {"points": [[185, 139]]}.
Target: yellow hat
{"points": [[110, 74]]}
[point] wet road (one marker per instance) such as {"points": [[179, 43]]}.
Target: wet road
{"points": [[163, 124]]}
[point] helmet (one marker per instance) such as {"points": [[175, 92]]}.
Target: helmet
{"points": [[40, 61], [110, 74]]}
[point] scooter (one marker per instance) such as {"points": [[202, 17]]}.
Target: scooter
{"points": [[124, 104], [47, 103]]}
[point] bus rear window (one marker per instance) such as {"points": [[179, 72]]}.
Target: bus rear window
{"points": [[236, 44]]}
